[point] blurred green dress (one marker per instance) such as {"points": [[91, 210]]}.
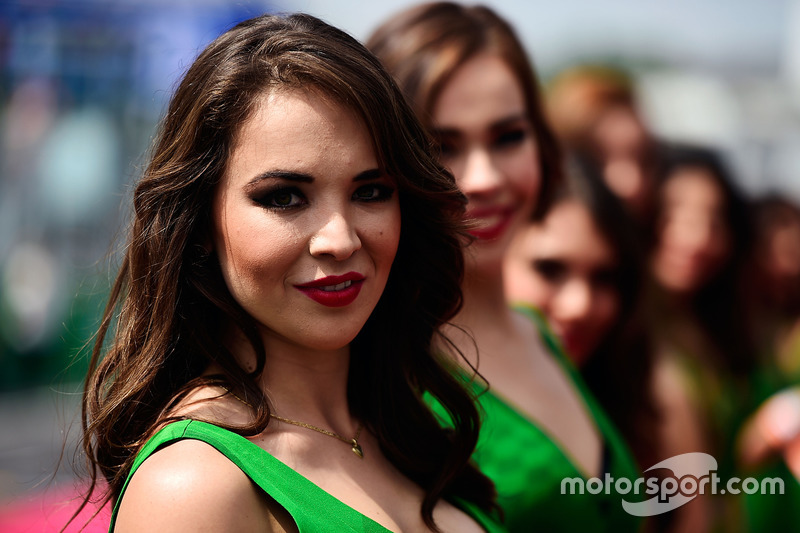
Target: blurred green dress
{"points": [[764, 511], [528, 466]]}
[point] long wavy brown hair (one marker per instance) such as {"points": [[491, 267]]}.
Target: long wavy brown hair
{"points": [[163, 324], [424, 46], [718, 308]]}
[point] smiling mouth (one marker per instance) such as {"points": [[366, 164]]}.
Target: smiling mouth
{"points": [[334, 291], [338, 287], [493, 223]]}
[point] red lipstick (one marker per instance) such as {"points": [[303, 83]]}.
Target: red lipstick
{"points": [[501, 218], [333, 291]]}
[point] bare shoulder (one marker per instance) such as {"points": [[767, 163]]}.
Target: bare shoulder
{"points": [[190, 486]]}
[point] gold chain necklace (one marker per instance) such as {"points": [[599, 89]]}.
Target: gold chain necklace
{"points": [[356, 447]]}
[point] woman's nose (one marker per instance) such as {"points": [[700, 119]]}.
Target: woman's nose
{"points": [[480, 175], [575, 301], [336, 238]]}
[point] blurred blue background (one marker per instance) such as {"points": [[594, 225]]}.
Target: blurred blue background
{"points": [[83, 83]]}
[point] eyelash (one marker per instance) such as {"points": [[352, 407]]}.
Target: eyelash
{"points": [[267, 200], [381, 193], [446, 148]]}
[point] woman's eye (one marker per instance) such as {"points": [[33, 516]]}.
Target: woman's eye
{"points": [[448, 145], [447, 149], [375, 192], [550, 270], [510, 138], [282, 199]]}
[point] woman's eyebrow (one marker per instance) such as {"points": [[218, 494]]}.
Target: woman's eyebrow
{"points": [[286, 175], [368, 175], [507, 121]]}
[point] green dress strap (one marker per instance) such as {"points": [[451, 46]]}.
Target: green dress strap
{"points": [[312, 509], [613, 439]]}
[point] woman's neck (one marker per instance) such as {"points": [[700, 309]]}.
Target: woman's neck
{"points": [[304, 384], [485, 319], [484, 301]]}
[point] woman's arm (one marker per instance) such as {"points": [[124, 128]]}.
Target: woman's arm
{"points": [[773, 427]]}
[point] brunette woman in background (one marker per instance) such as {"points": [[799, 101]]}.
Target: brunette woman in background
{"points": [[473, 86], [699, 312]]}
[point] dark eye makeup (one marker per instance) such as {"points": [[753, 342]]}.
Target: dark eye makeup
{"points": [[550, 269], [283, 197], [510, 137], [373, 192]]}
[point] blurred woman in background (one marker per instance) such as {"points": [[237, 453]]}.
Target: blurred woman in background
{"points": [[594, 111], [701, 240], [776, 266], [769, 442], [698, 311], [473, 86], [581, 265]]}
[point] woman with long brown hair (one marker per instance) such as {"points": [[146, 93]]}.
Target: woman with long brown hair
{"points": [[472, 84], [699, 317], [263, 356]]}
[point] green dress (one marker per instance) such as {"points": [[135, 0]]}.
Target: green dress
{"points": [[765, 511], [312, 509], [723, 402], [528, 466]]}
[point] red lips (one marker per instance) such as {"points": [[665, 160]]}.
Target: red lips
{"points": [[333, 291], [498, 218]]}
